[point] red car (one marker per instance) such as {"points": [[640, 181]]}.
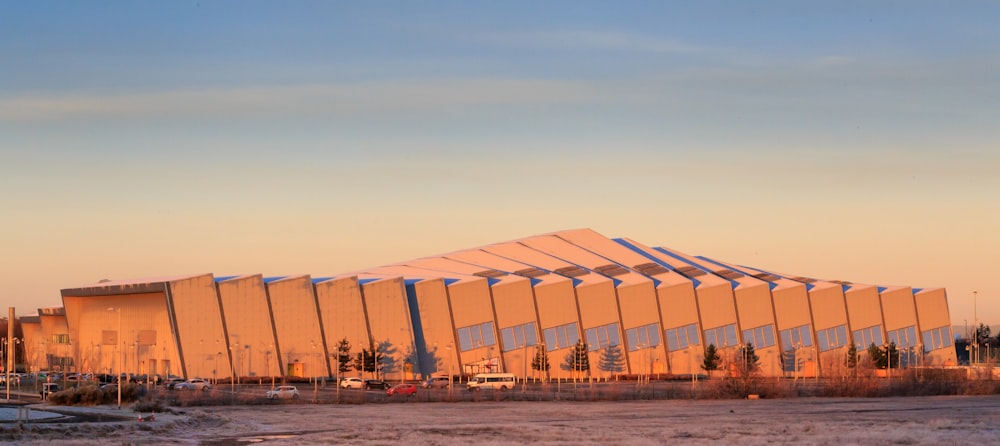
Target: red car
{"points": [[402, 389]]}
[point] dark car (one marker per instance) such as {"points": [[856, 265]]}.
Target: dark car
{"points": [[376, 384], [437, 382], [48, 388], [402, 390]]}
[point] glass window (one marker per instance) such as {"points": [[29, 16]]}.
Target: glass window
{"points": [[530, 334], [821, 338], [710, 338], [632, 335], [550, 339], [591, 336], [489, 338], [731, 335], [672, 343], [931, 339], [561, 340], [614, 337], [465, 339], [509, 341], [692, 335]]}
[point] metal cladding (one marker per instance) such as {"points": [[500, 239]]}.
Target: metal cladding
{"points": [[637, 309]]}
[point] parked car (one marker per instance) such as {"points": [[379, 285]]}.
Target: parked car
{"points": [[376, 384], [402, 389], [194, 384], [172, 382], [48, 388], [283, 392], [437, 382], [352, 383]]}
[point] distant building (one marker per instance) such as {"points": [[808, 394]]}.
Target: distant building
{"points": [[489, 308]]}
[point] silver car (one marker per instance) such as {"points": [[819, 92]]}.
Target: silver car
{"points": [[283, 392], [194, 384]]}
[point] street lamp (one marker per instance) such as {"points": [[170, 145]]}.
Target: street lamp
{"points": [[451, 377], [121, 352], [975, 321], [888, 359]]}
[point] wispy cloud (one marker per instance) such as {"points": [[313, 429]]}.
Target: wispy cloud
{"points": [[328, 98], [591, 40]]}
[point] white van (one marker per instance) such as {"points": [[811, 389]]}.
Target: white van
{"points": [[501, 381]]}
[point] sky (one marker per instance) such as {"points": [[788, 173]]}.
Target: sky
{"points": [[839, 140]]}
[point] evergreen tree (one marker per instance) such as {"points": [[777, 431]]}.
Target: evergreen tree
{"points": [[540, 362], [892, 356], [343, 356], [876, 356], [712, 359], [577, 360], [852, 357], [612, 359], [748, 359], [366, 361]]}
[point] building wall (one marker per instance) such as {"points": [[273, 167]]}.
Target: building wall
{"points": [[471, 305], [343, 316], [598, 307], [933, 314], [34, 344], [515, 307], [864, 309], [249, 327], [826, 301], [753, 303], [59, 354], [679, 308], [440, 345], [556, 299], [791, 310], [296, 322], [898, 309], [141, 345], [389, 318], [639, 309], [199, 326]]}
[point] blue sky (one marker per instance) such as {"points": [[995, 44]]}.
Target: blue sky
{"points": [[842, 140]]}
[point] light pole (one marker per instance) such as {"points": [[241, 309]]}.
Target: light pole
{"points": [[694, 375], [121, 352], [524, 383], [975, 321], [451, 377], [888, 359]]}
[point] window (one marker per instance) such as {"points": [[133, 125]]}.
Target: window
{"points": [[724, 336], [832, 338], [868, 336], [796, 336], [905, 337], [643, 337], [561, 336], [475, 336], [604, 336], [682, 337], [60, 339], [937, 338], [759, 337], [519, 336]]}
